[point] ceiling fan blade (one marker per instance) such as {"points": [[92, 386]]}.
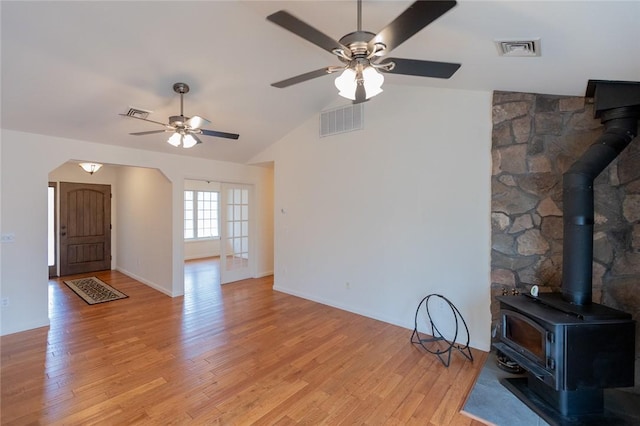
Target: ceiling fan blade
{"points": [[304, 30], [196, 122], [302, 77], [219, 134], [422, 68], [151, 132], [144, 119], [413, 19]]}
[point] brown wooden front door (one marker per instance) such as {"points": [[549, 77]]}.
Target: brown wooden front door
{"points": [[85, 228]]}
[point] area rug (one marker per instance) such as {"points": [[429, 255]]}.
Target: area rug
{"points": [[94, 291]]}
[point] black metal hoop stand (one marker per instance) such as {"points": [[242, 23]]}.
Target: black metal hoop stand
{"points": [[437, 336]]}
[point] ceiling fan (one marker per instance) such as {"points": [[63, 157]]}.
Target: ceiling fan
{"points": [[185, 129], [360, 51]]}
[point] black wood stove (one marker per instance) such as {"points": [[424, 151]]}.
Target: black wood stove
{"points": [[571, 348], [571, 353]]}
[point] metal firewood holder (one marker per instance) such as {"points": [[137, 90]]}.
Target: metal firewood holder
{"points": [[436, 335]]}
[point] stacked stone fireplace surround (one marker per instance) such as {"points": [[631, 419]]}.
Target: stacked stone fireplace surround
{"points": [[535, 139]]}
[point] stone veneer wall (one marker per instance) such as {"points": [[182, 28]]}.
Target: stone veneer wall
{"points": [[536, 138]]}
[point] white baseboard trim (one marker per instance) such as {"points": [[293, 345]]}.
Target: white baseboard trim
{"points": [[24, 326], [144, 281], [409, 324], [264, 274], [201, 256], [341, 306]]}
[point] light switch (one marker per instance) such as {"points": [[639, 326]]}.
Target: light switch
{"points": [[8, 238]]}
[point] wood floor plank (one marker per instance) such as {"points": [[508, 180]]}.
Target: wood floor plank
{"points": [[241, 354]]}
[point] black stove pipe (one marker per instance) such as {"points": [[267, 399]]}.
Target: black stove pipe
{"points": [[621, 127]]}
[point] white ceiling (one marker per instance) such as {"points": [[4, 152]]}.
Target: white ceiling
{"points": [[69, 68]]}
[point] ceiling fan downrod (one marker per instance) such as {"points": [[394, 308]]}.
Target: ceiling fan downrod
{"points": [[181, 89]]}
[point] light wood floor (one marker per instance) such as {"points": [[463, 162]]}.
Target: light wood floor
{"points": [[241, 354]]}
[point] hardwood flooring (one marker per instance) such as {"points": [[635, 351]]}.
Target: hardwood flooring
{"points": [[233, 355]]}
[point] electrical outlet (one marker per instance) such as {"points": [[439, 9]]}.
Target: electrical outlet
{"points": [[4, 302], [347, 285], [8, 238]]}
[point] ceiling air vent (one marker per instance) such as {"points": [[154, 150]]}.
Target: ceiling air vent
{"points": [[522, 48], [137, 112], [341, 120]]}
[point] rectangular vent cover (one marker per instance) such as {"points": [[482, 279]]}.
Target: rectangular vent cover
{"points": [[137, 112], [341, 120], [518, 47]]}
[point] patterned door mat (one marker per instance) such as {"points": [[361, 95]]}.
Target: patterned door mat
{"points": [[94, 291]]}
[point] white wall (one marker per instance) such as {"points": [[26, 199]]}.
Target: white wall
{"points": [[374, 220], [26, 161], [146, 217], [199, 249], [264, 210], [24, 271]]}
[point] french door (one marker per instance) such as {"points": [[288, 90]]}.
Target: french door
{"points": [[235, 239]]}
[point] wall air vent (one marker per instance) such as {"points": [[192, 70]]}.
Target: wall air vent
{"points": [[341, 120], [138, 113], [521, 48]]}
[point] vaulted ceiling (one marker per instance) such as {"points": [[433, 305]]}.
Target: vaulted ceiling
{"points": [[69, 68]]}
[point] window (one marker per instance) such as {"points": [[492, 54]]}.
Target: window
{"points": [[201, 214]]}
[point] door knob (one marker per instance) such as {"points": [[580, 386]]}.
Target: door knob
{"points": [[63, 234]]}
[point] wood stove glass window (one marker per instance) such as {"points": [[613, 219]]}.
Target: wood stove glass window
{"points": [[524, 334]]}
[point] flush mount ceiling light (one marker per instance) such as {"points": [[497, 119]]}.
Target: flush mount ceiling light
{"points": [[360, 51], [90, 168], [185, 129]]}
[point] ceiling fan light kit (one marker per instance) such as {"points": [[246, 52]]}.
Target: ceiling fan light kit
{"points": [[178, 139], [185, 129], [188, 141], [360, 51], [347, 83]]}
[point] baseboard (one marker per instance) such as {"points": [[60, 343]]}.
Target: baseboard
{"points": [[24, 327], [144, 281], [201, 256], [408, 323], [264, 274], [341, 306]]}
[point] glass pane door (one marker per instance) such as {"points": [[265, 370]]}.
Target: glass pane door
{"points": [[51, 230], [235, 247]]}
